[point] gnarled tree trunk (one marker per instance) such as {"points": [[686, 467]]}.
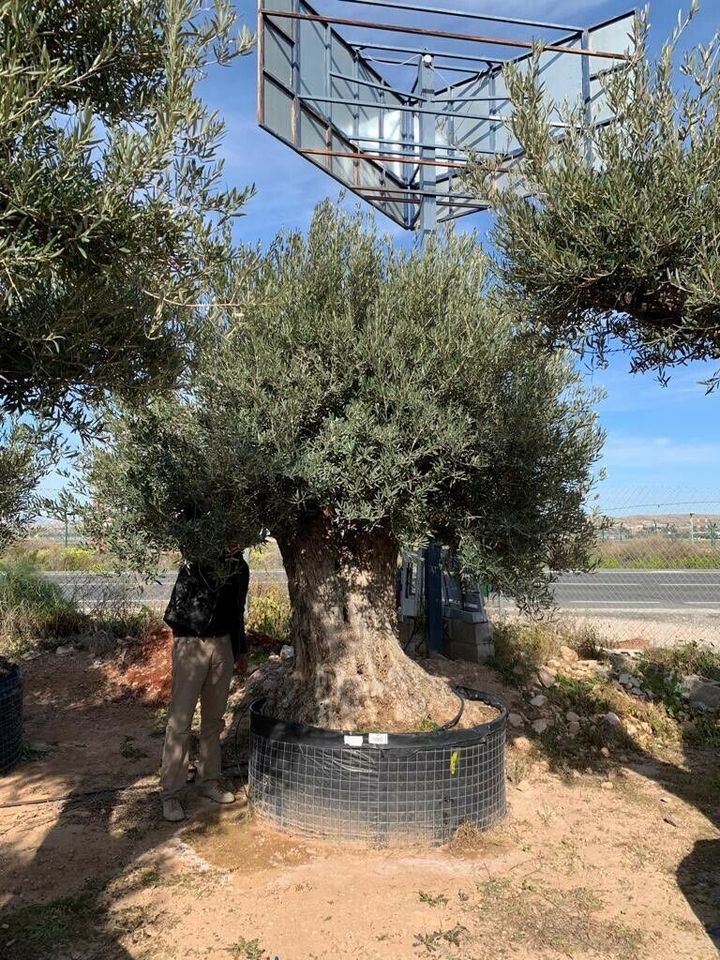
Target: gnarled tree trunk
{"points": [[350, 671]]}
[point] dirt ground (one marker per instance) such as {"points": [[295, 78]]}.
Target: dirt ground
{"points": [[620, 862]]}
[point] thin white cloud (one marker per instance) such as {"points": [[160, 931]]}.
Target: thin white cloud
{"points": [[654, 453]]}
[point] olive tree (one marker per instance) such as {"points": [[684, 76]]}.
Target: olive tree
{"points": [[623, 250], [22, 462], [365, 398], [113, 215]]}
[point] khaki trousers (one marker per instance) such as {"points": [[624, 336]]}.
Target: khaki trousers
{"points": [[202, 668]]}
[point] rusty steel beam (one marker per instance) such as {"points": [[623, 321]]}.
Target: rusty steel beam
{"points": [[445, 34]]}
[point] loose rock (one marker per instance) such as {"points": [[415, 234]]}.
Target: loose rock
{"points": [[573, 728], [701, 693], [539, 701], [61, 651], [546, 677], [572, 717], [516, 720], [567, 653], [541, 725], [613, 720]]}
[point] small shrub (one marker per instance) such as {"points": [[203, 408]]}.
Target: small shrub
{"points": [[247, 949], [684, 659], [32, 608], [269, 611], [704, 731], [522, 647], [433, 901]]}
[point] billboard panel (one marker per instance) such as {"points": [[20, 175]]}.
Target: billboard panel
{"points": [[399, 145]]}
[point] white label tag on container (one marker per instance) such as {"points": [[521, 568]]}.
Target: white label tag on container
{"points": [[353, 741], [379, 739]]}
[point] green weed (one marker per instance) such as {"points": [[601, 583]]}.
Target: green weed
{"points": [[269, 611], [521, 648], [686, 658], [439, 901], [427, 724], [32, 608], [131, 752], [437, 938], [247, 949]]}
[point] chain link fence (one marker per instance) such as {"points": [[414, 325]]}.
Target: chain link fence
{"points": [[656, 577], [657, 569], [108, 594]]}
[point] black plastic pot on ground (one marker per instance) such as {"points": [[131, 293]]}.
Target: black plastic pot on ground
{"points": [[11, 715], [411, 787]]}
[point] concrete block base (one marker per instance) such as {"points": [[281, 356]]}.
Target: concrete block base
{"points": [[469, 641]]}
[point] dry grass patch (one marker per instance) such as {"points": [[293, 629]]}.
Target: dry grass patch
{"points": [[569, 922]]}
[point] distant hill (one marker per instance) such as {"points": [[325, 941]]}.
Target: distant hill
{"points": [[661, 523]]}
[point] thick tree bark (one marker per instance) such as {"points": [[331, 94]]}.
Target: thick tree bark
{"points": [[350, 672]]}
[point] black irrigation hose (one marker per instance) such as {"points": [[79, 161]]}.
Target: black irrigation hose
{"points": [[75, 795], [241, 713], [456, 719]]}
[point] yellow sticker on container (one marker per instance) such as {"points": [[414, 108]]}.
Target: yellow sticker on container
{"points": [[454, 757]]}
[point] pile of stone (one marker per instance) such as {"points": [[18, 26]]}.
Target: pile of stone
{"points": [[619, 667]]}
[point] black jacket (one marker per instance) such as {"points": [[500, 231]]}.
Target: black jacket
{"points": [[204, 604]]}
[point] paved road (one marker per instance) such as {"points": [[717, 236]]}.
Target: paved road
{"points": [[621, 590], [610, 592]]}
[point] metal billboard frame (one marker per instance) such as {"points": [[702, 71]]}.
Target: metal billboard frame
{"points": [[402, 150]]}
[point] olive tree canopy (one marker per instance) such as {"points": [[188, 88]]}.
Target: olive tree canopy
{"points": [[23, 454], [623, 251], [363, 399], [112, 212]]}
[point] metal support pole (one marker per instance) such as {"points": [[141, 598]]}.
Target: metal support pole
{"points": [[433, 598], [427, 175], [587, 98]]}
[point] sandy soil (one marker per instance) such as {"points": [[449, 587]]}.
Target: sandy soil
{"points": [[618, 863]]}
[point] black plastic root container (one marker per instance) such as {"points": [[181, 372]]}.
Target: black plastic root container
{"points": [[378, 788], [11, 718]]}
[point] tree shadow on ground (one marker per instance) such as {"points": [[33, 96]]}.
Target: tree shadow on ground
{"points": [[692, 774], [66, 899], [697, 782], [63, 901]]}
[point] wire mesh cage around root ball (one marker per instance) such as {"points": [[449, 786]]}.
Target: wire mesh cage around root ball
{"points": [[378, 788]]}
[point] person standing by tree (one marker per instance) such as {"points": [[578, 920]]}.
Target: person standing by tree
{"points": [[206, 614]]}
